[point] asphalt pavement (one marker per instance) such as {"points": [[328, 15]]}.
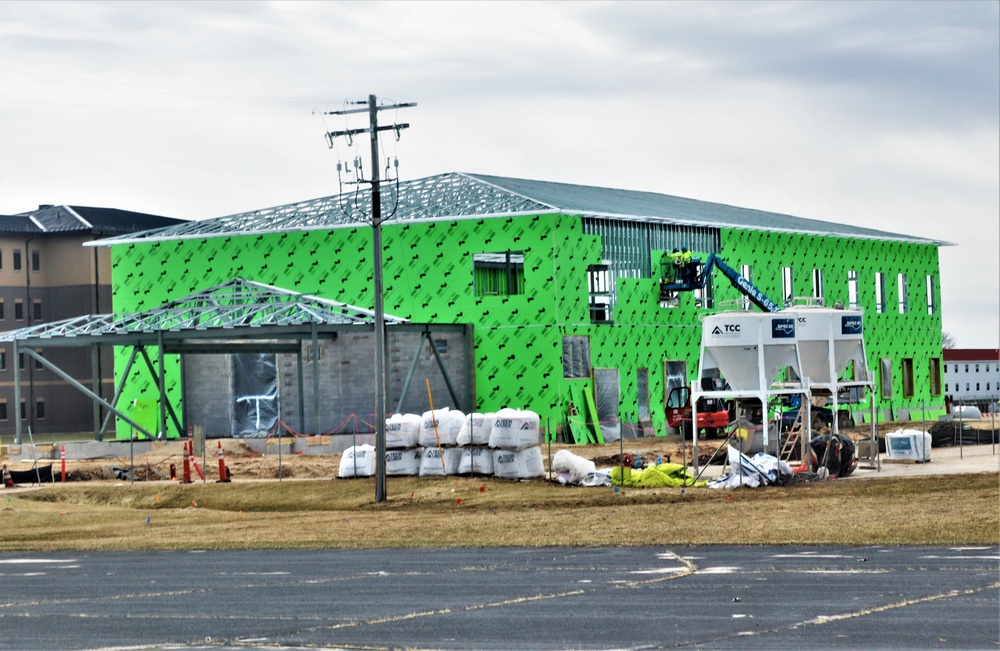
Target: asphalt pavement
{"points": [[511, 598]]}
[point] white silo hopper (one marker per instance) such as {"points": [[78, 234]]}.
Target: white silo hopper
{"points": [[748, 348], [828, 340]]}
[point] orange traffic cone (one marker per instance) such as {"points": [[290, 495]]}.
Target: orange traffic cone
{"points": [[223, 471]]}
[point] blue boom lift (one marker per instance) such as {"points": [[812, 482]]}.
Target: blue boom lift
{"points": [[695, 275]]}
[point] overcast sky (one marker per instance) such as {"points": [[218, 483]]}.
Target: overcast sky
{"points": [[878, 114]]}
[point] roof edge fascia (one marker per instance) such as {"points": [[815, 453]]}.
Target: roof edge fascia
{"points": [[321, 227]]}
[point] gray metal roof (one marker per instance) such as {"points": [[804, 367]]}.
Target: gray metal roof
{"points": [[458, 195], [216, 311], [82, 219]]}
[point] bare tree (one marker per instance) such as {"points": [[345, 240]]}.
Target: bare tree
{"points": [[948, 341]]}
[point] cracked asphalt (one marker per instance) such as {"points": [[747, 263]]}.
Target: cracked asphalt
{"points": [[720, 597]]}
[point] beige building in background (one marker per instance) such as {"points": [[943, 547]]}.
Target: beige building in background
{"points": [[47, 275]]}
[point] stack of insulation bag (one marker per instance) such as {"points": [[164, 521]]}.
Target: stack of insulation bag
{"points": [[448, 442]]}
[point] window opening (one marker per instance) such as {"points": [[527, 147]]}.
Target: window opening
{"points": [[885, 376], [36, 261], [936, 376], [576, 357], [904, 294], [498, 274], [704, 297], [17, 259], [3, 360], [23, 409], [36, 310], [852, 290], [907, 377], [3, 410], [747, 272], [931, 296], [787, 285], [818, 283], [40, 408], [879, 292], [18, 311], [599, 287]]}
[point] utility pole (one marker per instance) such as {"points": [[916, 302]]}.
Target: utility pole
{"points": [[376, 220]]}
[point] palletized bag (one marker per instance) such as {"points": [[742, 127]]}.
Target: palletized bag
{"points": [[518, 464], [402, 462], [357, 461], [514, 429], [476, 429], [448, 424], [476, 461], [402, 431], [430, 461]]}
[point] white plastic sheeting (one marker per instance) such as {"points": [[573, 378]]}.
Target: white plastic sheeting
{"points": [[577, 467], [430, 461], [476, 461], [476, 429], [402, 431], [759, 470], [514, 429], [357, 461], [448, 424], [518, 464], [402, 462]]}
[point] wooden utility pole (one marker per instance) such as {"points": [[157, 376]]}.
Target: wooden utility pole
{"points": [[376, 220]]}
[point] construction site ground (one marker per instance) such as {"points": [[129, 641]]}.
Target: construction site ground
{"points": [[246, 459]]}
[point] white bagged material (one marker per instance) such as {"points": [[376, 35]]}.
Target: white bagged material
{"points": [[357, 461], [476, 461], [476, 429], [430, 461], [577, 467], [449, 424], [910, 444], [514, 429], [402, 462], [518, 464], [402, 431]]}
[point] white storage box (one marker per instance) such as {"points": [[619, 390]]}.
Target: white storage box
{"points": [[908, 444]]}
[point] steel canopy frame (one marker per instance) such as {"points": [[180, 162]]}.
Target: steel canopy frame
{"points": [[237, 316]]}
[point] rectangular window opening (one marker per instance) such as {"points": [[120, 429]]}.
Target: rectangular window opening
{"points": [[904, 294], [17, 259], [747, 272], [818, 284], [787, 285], [576, 357], [932, 302], [907, 377], [935, 368], [885, 376], [852, 290], [704, 297], [36, 310], [599, 288], [879, 292], [18, 311], [40, 408], [498, 274], [3, 410], [36, 261]]}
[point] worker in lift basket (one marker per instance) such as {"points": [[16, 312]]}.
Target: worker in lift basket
{"points": [[686, 266], [678, 260]]}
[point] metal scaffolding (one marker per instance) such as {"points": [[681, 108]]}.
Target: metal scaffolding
{"points": [[236, 316]]}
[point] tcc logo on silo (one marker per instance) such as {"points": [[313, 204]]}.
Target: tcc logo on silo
{"points": [[850, 325], [728, 330], [783, 328]]}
